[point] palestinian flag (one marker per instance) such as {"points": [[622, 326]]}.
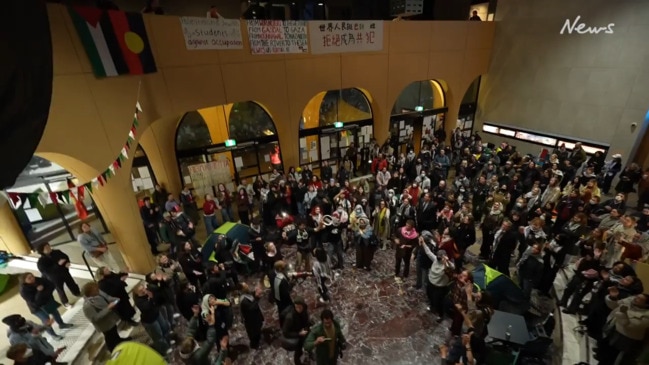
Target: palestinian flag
{"points": [[115, 41]]}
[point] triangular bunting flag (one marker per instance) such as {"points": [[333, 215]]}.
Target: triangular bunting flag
{"points": [[66, 196], [138, 107], [88, 186], [42, 198], [121, 158], [116, 165], [23, 198], [81, 192], [70, 184], [131, 133], [95, 182], [101, 180], [135, 122], [124, 152], [54, 198], [33, 200], [15, 198]]}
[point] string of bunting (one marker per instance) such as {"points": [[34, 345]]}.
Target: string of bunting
{"points": [[76, 193]]}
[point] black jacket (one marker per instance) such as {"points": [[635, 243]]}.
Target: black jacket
{"points": [[506, 245], [149, 311], [294, 322], [49, 266], [36, 299], [251, 312], [113, 285]]}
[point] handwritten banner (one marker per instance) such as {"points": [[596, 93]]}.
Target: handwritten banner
{"points": [[346, 36], [209, 33], [277, 36]]}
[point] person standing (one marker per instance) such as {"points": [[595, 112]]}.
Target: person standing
{"points": [[37, 293], [326, 339], [322, 273], [114, 284], [96, 246], [209, 214], [505, 241], [295, 328], [281, 289], [54, 265], [155, 324], [150, 217], [189, 204], [405, 243], [98, 309], [253, 318]]}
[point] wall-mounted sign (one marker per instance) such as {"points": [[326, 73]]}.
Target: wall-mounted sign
{"points": [[209, 33], [230, 143], [346, 36], [338, 124], [277, 36]]}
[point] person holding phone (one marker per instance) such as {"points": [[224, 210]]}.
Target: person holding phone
{"points": [[98, 309], [326, 339]]}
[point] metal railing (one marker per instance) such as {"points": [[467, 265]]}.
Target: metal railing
{"points": [[85, 260]]}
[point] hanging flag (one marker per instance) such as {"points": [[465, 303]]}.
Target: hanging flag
{"points": [[135, 122], [33, 200], [66, 196], [116, 165], [54, 198], [42, 198], [88, 186], [124, 152], [116, 42], [15, 198], [138, 107], [81, 192], [101, 180]]}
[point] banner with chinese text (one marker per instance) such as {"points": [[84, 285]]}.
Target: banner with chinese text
{"points": [[277, 36], [209, 33], [346, 36]]}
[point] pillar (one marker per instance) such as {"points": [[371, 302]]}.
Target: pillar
{"points": [[118, 206], [12, 238]]}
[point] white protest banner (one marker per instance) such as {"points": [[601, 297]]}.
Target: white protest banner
{"points": [[346, 36], [277, 36], [209, 33]]}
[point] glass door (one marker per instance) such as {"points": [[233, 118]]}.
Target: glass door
{"points": [[246, 163], [329, 148]]}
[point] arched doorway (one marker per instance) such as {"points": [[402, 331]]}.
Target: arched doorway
{"points": [[333, 122], [417, 113], [225, 144], [466, 115], [48, 210]]}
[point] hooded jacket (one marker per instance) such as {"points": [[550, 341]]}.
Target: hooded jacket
{"points": [[20, 331]]}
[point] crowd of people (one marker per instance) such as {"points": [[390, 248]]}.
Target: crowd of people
{"points": [[537, 218]]}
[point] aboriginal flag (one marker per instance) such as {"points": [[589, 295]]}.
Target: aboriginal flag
{"points": [[115, 41], [26, 74]]}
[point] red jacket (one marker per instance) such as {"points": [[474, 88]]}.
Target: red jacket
{"points": [[209, 207]]}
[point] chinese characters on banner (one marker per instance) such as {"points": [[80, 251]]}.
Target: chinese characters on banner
{"points": [[209, 33], [276, 36], [345, 36]]}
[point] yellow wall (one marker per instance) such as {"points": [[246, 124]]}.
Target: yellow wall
{"points": [[89, 117]]}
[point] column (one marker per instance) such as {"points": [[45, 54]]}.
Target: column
{"points": [[12, 238], [117, 204]]}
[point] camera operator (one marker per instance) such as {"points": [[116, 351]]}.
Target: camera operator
{"points": [[223, 256]]}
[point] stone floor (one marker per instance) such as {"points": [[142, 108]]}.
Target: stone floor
{"points": [[384, 322]]}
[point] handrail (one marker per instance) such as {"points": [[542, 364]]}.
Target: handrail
{"points": [[83, 256]]}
